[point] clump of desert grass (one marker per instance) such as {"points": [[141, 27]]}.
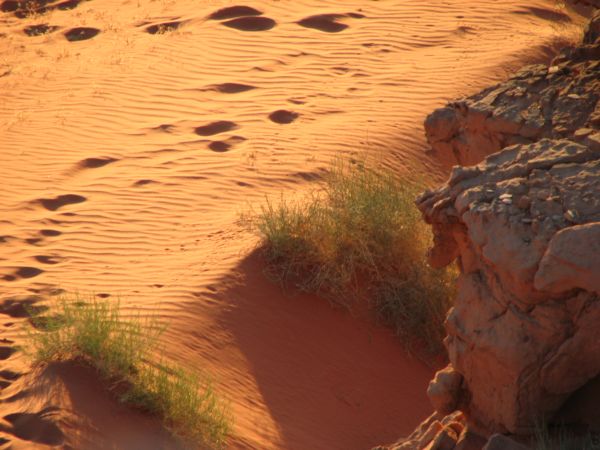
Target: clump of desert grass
{"points": [[98, 334], [360, 236]]}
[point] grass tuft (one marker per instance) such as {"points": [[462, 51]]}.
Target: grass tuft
{"points": [[96, 332], [184, 399], [360, 236]]}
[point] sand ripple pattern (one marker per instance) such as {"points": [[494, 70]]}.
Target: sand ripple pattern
{"points": [[132, 137]]}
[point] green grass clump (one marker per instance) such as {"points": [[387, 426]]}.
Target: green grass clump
{"points": [[182, 398], [121, 349], [360, 235]]}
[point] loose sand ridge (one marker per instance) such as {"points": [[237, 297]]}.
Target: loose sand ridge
{"points": [[133, 133]]}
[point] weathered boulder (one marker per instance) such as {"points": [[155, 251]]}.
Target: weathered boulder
{"points": [[559, 101], [523, 332]]}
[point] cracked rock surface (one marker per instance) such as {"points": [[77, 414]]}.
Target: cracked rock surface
{"points": [[524, 226], [556, 101], [520, 214]]}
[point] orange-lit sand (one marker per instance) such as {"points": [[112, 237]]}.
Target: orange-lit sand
{"points": [[126, 158]]}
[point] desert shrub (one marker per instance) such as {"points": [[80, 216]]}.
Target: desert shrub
{"points": [[360, 236], [121, 348]]}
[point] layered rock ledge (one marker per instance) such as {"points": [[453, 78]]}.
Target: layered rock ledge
{"points": [[556, 101]]}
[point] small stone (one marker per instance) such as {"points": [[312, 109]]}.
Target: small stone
{"points": [[571, 216]]}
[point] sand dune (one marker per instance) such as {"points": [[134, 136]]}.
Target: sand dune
{"points": [[132, 134]]}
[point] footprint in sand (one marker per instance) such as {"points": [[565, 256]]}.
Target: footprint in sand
{"points": [[6, 352], [9, 6], [18, 308], [328, 22], [35, 427], [283, 116], [226, 145], [257, 23], [23, 272], [143, 182], [231, 88], [232, 12], [94, 163], [81, 33], [219, 146], [39, 30], [50, 233], [45, 259], [212, 128], [27, 272], [24, 8], [52, 204], [8, 377], [165, 27]]}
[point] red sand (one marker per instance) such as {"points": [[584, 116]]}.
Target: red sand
{"points": [[127, 158]]}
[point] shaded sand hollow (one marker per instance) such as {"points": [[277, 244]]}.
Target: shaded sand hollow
{"points": [[132, 134]]}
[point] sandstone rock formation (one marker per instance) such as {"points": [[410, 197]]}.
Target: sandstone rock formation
{"points": [[524, 226], [559, 101], [522, 220]]}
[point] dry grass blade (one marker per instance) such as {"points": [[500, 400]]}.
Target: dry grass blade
{"points": [[360, 236], [120, 348]]}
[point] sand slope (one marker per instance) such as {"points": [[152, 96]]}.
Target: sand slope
{"points": [[133, 133]]}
